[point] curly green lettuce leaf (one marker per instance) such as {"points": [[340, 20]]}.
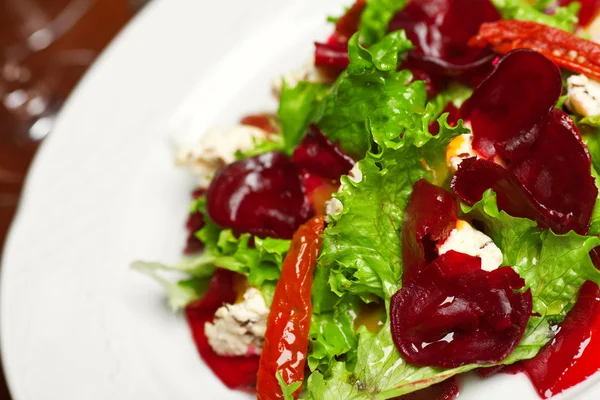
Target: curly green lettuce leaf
{"points": [[381, 373], [297, 108], [376, 17], [370, 83], [332, 335], [553, 266], [564, 18]]}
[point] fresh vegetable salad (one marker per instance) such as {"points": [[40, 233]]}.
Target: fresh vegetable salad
{"points": [[424, 203]]}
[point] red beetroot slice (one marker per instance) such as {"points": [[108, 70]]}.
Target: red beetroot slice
{"points": [[321, 156], [430, 216], [556, 173], [332, 55], [445, 390], [509, 108], [572, 355], [441, 29], [261, 195], [454, 313], [539, 186], [347, 25], [235, 372]]}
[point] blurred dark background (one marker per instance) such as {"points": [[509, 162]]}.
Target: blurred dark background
{"points": [[45, 48]]}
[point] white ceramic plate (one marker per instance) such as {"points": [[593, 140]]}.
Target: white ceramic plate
{"points": [[76, 322]]}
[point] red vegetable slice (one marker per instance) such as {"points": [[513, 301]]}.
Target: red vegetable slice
{"points": [[194, 223], [572, 355], [517, 121], [556, 173], [261, 195], [266, 122], [507, 110], [321, 156], [235, 372], [318, 191], [441, 29], [286, 338], [348, 24], [430, 216], [454, 313], [332, 55], [445, 390]]}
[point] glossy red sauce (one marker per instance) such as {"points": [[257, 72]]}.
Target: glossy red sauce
{"points": [[235, 372], [573, 354]]}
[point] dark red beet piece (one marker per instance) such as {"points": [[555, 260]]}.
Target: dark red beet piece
{"points": [[454, 313], [572, 355], [475, 176], [556, 173], [235, 372], [445, 390], [261, 195], [321, 156], [194, 223], [332, 55], [509, 108], [440, 31], [347, 25], [589, 9], [430, 216]]}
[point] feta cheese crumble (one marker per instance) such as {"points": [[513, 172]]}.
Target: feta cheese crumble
{"points": [[468, 240], [583, 95], [239, 329], [216, 149]]}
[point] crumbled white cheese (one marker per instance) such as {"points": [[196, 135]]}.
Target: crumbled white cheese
{"points": [[459, 149], [583, 95], [216, 149], [239, 329], [468, 240], [308, 72], [335, 207]]}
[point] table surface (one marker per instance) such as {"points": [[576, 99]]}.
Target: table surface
{"points": [[88, 36]]}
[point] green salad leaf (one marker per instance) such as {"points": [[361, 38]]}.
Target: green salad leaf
{"points": [[564, 18], [287, 390], [376, 17], [553, 266], [370, 81], [297, 108]]}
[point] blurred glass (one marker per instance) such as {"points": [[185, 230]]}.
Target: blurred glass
{"points": [[45, 47]]}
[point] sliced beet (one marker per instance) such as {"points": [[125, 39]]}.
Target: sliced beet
{"points": [[572, 355], [440, 31], [454, 313], [475, 176], [445, 390], [509, 108], [261, 195], [347, 25], [332, 55], [237, 372], [550, 184], [321, 156], [556, 173], [430, 216]]}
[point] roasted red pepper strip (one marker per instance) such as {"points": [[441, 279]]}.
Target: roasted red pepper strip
{"points": [[286, 339], [565, 49]]}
